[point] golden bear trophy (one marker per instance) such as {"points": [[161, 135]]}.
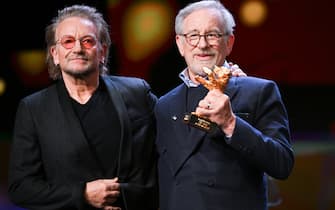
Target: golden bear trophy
{"points": [[217, 79]]}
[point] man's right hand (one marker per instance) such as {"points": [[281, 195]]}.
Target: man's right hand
{"points": [[103, 193]]}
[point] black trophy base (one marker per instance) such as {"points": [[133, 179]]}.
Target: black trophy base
{"points": [[199, 122]]}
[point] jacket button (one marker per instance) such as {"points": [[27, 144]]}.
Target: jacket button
{"points": [[211, 183]]}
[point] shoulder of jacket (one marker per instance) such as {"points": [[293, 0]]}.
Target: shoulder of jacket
{"points": [[125, 81]]}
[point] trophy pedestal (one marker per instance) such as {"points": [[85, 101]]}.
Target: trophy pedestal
{"points": [[199, 122]]}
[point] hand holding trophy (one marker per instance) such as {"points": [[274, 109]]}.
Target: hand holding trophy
{"points": [[217, 79]]}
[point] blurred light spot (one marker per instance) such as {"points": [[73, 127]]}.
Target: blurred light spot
{"points": [[2, 86], [30, 67], [146, 27], [31, 62], [253, 12]]}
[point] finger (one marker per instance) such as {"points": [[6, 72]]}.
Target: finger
{"points": [[113, 187], [113, 194], [110, 200], [234, 67], [238, 73], [203, 104], [111, 184]]}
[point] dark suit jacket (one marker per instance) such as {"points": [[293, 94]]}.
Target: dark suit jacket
{"points": [[51, 160], [207, 171]]}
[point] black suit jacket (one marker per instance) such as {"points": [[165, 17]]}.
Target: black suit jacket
{"points": [[51, 160], [207, 171]]}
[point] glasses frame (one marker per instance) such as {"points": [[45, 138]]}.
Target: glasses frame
{"points": [[82, 40], [214, 41]]}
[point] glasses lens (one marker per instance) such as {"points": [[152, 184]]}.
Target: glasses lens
{"points": [[87, 42], [193, 39], [68, 42], [211, 38]]}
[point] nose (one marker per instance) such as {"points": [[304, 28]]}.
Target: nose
{"points": [[203, 42], [77, 45]]}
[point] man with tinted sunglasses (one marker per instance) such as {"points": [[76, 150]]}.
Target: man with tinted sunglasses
{"points": [[87, 141]]}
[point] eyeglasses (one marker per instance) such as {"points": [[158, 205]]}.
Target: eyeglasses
{"points": [[86, 42], [211, 38]]}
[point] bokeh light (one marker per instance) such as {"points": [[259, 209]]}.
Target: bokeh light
{"points": [[30, 67], [31, 61], [253, 12], [2, 86], [146, 27]]}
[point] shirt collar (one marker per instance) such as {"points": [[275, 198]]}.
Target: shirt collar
{"points": [[186, 79]]}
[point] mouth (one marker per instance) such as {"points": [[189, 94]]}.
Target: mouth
{"points": [[204, 57], [79, 58]]}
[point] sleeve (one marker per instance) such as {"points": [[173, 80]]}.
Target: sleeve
{"points": [[265, 142]]}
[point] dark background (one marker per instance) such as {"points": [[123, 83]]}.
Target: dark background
{"points": [[294, 47]]}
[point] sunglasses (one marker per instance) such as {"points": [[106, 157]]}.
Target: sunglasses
{"points": [[86, 42]]}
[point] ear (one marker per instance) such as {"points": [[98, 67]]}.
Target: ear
{"points": [[180, 45], [54, 55], [230, 43], [103, 54]]}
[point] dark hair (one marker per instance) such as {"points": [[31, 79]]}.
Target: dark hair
{"points": [[81, 11]]}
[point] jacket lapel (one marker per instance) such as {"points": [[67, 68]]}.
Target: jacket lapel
{"points": [[232, 89], [124, 158], [194, 136]]}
